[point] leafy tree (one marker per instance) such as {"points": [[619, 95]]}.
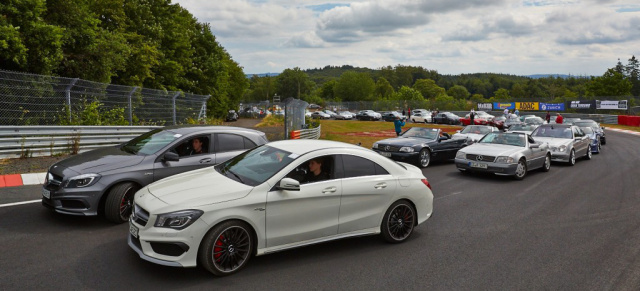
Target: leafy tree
{"points": [[383, 89], [293, 83], [352, 86], [502, 94], [518, 91], [620, 68], [478, 98], [327, 91], [458, 92], [408, 94], [632, 71], [428, 88], [611, 83]]}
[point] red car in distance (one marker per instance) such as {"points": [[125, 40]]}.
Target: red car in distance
{"points": [[497, 121], [477, 120]]}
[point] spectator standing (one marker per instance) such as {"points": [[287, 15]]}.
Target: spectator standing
{"points": [[517, 112], [559, 119], [472, 115], [403, 113], [548, 117], [398, 123], [506, 112], [409, 111]]}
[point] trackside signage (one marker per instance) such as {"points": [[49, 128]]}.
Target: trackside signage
{"points": [[485, 106], [527, 106], [552, 106], [583, 104], [504, 105], [617, 104]]}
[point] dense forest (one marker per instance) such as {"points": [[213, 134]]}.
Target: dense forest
{"points": [[148, 43]]}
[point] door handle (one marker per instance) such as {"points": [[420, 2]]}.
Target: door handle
{"points": [[380, 185], [329, 190], [206, 160]]}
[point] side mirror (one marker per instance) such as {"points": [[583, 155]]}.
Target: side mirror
{"points": [[170, 157], [289, 184], [534, 146], [458, 131]]}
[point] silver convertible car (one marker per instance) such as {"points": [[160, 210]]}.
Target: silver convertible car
{"points": [[275, 197], [566, 142], [510, 154]]}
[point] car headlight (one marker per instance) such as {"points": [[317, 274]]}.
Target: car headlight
{"points": [[179, 219], [461, 155], [504, 160], [81, 181], [375, 146], [470, 141], [407, 149], [562, 148]]}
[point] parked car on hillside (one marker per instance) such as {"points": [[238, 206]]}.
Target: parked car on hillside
{"points": [[446, 118], [368, 115], [476, 120], [419, 145], [104, 180], [231, 116], [320, 115], [392, 115], [510, 154], [424, 117], [268, 199], [345, 115], [331, 113]]}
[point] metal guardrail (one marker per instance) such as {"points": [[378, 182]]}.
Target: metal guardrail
{"points": [[38, 141], [311, 133]]}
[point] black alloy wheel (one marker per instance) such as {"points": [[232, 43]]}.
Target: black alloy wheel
{"points": [[227, 248], [398, 222], [119, 202]]}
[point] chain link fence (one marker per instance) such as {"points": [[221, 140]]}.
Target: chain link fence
{"points": [[30, 99]]}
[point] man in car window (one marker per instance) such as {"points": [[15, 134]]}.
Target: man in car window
{"points": [[197, 148], [315, 172]]}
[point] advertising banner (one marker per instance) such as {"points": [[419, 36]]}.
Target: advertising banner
{"points": [[552, 106], [584, 104], [617, 104], [485, 106], [527, 106], [503, 105]]}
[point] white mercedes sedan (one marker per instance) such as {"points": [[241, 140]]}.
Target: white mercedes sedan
{"points": [[275, 197]]}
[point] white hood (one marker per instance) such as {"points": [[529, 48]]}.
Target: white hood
{"points": [[198, 187]]}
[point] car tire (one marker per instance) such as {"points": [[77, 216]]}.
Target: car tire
{"points": [[588, 155], [572, 158], [398, 222], [547, 163], [119, 202], [226, 248], [424, 158], [603, 141], [521, 170], [599, 147]]}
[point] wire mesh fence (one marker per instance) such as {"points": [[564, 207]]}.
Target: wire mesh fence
{"points": [[30, 99]]}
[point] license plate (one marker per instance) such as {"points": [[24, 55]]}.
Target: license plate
{"points": [[385, 154], [478, 165], [133, 230], [46, 193]]}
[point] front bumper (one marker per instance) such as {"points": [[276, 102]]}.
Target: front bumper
{"points": [[495, 168], [73, 201], [560, 156], [167, 247], [401, 156]]}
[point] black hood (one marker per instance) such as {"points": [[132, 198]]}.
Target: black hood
{"points": [[404, 141], [101, 160]]}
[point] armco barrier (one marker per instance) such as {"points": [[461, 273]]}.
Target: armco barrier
{"points": [[25, 141], [312, 133]]}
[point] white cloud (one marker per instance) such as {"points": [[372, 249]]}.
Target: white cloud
{"points": [[450, 36]]}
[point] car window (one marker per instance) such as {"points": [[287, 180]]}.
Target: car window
{"points": [[150, 142], [314, 170], [357, 167], [255, 166], [198, 145], [230, 142]]}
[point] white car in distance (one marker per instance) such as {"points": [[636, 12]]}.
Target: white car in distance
{"points": [[270, 199]]}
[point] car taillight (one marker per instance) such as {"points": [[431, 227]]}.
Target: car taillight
{"points": [[426, 183]]}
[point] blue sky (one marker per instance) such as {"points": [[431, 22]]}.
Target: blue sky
{"points": [[524, 37]]}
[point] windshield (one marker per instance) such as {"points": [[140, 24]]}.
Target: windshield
{"points": [[587, 130], [476, 129], [585, 123], [150, 142], [550, 131], [512, 139], [428, 133], [534, 120], [255, 166]]}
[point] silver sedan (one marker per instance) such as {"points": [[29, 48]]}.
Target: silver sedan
{"points": [[566, 142], [509, 154]]}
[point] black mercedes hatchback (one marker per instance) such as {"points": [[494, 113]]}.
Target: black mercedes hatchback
{"points": [[104, 180]]}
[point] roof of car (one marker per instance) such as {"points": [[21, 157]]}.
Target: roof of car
{"points": [[301, 146], [193, 128]]}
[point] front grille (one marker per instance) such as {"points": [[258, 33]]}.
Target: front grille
{"points": [[136, 241], [482, 158], [140, 215], [73, 204], [388, 148], [53, 181]]}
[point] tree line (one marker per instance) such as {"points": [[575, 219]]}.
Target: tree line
{"points": [[410, 83], [148, 43]]}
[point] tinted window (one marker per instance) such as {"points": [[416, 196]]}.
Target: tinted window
{"points": [[357, 167], [248, 144], [230, 142], [380, 170]]}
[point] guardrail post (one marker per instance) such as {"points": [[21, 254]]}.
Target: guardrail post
{"points": [[173, 100], [67, 92], [130, 106]]}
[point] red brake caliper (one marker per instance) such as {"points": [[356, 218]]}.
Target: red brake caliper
{"points": [[218, 248]]}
